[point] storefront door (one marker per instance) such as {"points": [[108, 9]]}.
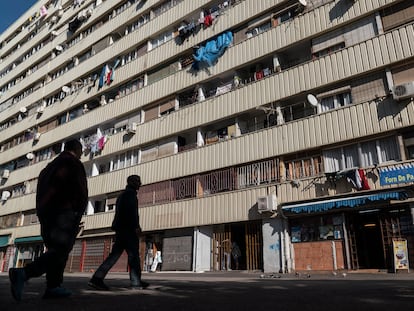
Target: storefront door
{"points": [[371, 233], [239, 238]]}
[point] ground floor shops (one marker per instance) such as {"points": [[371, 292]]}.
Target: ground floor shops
{"points": [[233, 246], [361, 232], [376, 236]]}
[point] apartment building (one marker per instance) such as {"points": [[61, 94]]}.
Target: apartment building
{"points": [[284, 126]]}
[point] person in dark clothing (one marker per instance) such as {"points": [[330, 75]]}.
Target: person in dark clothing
{"points": [[61, 200], [127, 228]]}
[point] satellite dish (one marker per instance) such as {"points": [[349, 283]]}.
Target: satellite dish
{"points": [[312, 100], [59, 48], [303, 2], [23, 109], [54, 33], [30, 156], [66, 89]]}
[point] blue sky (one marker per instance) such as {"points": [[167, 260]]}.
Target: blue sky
{"points": [[10, 10]]}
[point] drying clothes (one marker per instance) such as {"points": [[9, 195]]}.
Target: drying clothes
{"points": [[364, 180], [74, 24], [186, 30], [358, 179], [78, 2], [43, 11], [213, 49], [208, 20], [103, 76]]}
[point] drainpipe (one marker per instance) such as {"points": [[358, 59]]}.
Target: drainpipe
{"points": [[348, 257], [335, 265], [195, 249], [287, 251]]}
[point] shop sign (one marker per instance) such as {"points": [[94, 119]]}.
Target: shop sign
{"points": [[396, 175], [400, 251]]}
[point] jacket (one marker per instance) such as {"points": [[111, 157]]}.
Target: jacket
{"points": [[62, 186], [126, 212]]}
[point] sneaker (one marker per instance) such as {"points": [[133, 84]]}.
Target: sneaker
{"points": [[56, 292], [141, 285], [97, 284], [17, 278]]}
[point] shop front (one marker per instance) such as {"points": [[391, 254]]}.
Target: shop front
{"points": [[350, 233], [27, 250], [4, 246]]}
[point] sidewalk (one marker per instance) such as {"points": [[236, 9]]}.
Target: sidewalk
{"points": [[232, 290]]}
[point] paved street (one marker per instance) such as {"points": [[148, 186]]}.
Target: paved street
{"points": [[226, 291]]}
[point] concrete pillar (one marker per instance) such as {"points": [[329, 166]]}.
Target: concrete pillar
{"points": [[273, 244]]}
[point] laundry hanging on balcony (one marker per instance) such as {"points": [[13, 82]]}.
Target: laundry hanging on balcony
{"points": [[208, 55], [43, 11], [107, 74], [94, 143]]}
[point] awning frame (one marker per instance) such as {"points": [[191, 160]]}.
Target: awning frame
{"points": [[344, 202]]}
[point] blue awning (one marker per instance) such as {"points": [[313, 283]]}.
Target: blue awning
{"points": [[4, 240], [322, 206], [28, 239]]}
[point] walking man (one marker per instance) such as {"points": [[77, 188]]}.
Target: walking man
{"points": [[61, 200], [127, 228]]}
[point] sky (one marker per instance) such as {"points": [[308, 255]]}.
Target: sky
{"points": [[10, 10]]}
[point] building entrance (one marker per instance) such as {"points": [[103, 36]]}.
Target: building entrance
{"points": [[371, 234], [237, 247], [369, 241]]}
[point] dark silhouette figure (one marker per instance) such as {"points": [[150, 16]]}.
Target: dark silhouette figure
{"points": [[127, 228], [61, 200]]}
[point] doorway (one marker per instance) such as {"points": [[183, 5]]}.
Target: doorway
{"points": [[369, 242], [372, 232], [248, 238]]}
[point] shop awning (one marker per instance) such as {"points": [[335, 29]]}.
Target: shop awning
{"points": [[325, 205], [28, 239], [4, 240]]}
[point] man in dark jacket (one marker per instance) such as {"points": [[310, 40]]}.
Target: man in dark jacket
{"points": [[127, 228], [61, 200]]}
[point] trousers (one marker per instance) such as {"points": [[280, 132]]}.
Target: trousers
{"points": [[128, 242], [59, 234]]}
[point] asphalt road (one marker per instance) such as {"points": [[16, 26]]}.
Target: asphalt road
{"points": [[225, 291]]}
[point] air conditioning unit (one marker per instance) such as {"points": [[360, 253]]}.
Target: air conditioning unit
{"points": [[403, 91], [5, 195], [132, 128], [6, 174], [267, 203]]}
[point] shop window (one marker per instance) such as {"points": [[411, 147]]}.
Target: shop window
{"points": [[327, 227]]}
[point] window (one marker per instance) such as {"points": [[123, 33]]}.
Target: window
{"points": [[259, 29], [321, 228], [301, 168], [335, 101], [99, 207], [361, 155], [297, 111], [329, 50], [161, 39]]}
